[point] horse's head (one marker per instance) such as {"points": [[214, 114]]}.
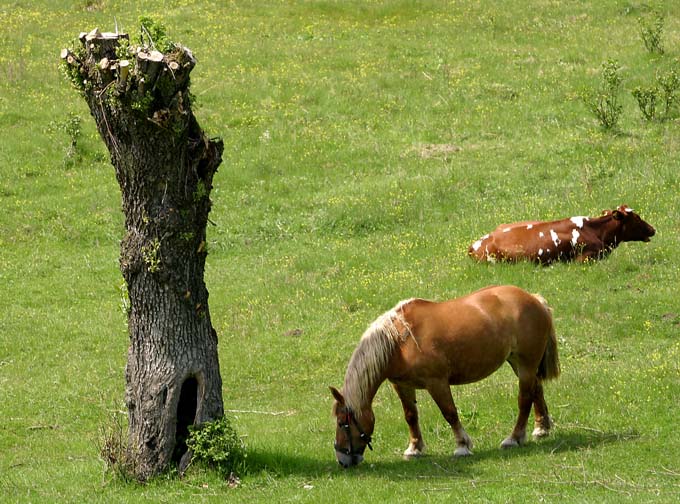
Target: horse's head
{"points": [[352, 433]]}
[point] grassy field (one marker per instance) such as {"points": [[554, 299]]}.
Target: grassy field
{"points": [[367, 144]]}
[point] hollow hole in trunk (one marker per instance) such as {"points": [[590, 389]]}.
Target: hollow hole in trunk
{"points": [[186, 415]]}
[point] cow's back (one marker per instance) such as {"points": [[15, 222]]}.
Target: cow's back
{"points": [[529, 240]]}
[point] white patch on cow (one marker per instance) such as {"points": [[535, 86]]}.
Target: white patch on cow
{"points": [[554, 237], [629, 210], [574, 237], [578, 220], [506, 230], [478, 243], [530, 226], [540, 252], [540, 234]]}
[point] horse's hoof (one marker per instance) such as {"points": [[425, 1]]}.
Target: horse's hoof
{"points": [[509, 442], [413, 452], [462, 451], [542, 427], [540, 432]]}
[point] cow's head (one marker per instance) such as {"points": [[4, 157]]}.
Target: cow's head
{"points": [[633, 228]]}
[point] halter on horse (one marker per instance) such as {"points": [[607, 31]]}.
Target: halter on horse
{"points": [[355, 456]]}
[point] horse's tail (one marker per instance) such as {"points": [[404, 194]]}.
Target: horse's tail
{"points": [[549, 367]]}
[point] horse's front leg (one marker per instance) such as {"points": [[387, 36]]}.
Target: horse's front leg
{"points": [[416, 445], [441, 393]]}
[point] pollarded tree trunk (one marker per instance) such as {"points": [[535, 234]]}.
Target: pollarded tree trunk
{"points": [[164, 165]]}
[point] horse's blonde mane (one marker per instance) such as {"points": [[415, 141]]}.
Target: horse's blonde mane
{"points": [[372, 355]]}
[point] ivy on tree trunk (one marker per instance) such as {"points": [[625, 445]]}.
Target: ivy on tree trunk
{"points": [[164, 163]]}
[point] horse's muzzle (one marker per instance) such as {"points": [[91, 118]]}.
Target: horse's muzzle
{"points": [[347, 461]]}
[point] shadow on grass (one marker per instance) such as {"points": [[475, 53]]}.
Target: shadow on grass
{"points": [[563, 441], [393, 466]]}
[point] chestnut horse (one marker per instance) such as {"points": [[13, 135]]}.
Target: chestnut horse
{"points": [[427, 345]]}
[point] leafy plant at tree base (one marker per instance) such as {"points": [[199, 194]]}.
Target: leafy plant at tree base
{"points": [[646, 98], [651, 31], [604, 102], [217, 444]]}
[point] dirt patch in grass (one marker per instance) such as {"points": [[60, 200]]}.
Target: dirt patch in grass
{"points": [[439, 151]]}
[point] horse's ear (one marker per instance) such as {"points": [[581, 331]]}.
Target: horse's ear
{"points": [[338, 396]]}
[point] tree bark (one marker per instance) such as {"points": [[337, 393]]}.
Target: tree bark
{"points": [[164, 164]]}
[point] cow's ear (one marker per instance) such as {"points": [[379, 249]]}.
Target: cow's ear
{"points": [[618, 214]]}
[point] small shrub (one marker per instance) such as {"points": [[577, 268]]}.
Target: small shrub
{"points": [[651, 30], [92, 5], [646, 98], [669, 84], [114, 451], [666, 91], [71, 126], [218, 445], [604, 101]]}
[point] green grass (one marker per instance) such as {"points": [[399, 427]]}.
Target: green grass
{"points": [[327, 213]]}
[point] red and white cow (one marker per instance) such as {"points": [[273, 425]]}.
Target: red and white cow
{"points": [[575, 238]]}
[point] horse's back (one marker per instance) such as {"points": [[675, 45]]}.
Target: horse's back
{"points": [[474, 335], [496, 304], [523, 316], [489, 304]]}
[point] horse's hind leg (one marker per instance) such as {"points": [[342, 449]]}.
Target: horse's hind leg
{"points": [[441, 393], [416, 445], [527, 390], [542, 421]]}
